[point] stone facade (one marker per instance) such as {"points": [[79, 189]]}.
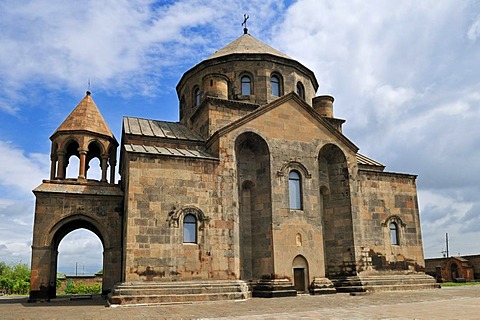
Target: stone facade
{"points": [[255, 184]]}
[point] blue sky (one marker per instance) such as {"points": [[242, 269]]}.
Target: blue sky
{"points": [[404, 74]]}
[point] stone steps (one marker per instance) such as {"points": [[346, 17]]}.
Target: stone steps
{"points": [[178, 292], [377, 283]]}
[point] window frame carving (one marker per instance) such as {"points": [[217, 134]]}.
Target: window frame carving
{"points": [[175, 215], [400, 225], [294, 165]]}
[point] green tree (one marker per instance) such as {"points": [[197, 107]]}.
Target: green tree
{"points": [[14, 279]]}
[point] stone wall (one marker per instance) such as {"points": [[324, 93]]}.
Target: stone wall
{"points": [[161, 191], [258, 68], [382, 198], [62, 207], [295, 145], [474, 261]]}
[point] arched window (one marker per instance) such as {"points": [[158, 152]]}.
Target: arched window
{"points": [[196, 96], [190, 229], [295, 190], [300, 90], [246, 85], [394, 234], [275, 84]]}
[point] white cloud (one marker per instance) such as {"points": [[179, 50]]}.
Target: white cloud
{"points": [[81, 251], [16, 218], [407, 84], [474, 30], [404, 75], [124, 47], [448, 212], [21, 171], [391, 103]]}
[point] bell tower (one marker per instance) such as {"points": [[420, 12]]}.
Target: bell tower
{"points": [[64, 204]]}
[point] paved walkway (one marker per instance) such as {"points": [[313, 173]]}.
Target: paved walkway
{"points": [[445, 303]]}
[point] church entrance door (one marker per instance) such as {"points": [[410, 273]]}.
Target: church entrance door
{"points": [[300, 273], [299, 279]]}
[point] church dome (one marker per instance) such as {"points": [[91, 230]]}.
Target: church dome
{"points": [[246, 44], [247, 73]]}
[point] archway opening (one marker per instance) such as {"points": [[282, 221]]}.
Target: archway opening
{"points": [[255, 219], [72, 168], [72, 160], [77, 262], [300, 273], [336, 211], [80, 253], [454, 271], [94, 170]]}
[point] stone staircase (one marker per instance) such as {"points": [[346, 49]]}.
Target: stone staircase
{"points": [[272, 288], [376, 283], [135, 293]]}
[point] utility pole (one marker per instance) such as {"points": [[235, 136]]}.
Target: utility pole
{"points": [[76, 268], [446, 242]]}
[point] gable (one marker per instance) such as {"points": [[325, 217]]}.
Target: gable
{"points": [[288, 118]]}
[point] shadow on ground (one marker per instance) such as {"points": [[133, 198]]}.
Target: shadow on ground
{"points": [[94, 300]]}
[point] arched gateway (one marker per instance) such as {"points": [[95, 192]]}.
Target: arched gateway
{"points": [[64, 205]]}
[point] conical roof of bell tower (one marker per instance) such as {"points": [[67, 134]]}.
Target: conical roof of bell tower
{"points": [[85, 117]]}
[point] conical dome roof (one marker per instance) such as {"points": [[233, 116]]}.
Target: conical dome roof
{"points": [[85, 117], [247, 44]]}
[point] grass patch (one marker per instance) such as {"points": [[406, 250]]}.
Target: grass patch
{"points": [[459, 284]]}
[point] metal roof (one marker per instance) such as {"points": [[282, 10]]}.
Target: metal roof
{"points": [[361, 159], [158, 129], [172, 152]]}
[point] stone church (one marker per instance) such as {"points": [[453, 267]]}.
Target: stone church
{"points": [[255, 191]]}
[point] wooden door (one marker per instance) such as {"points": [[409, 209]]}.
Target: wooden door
{"points": [[299, 279]]}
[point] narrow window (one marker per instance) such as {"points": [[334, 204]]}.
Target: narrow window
{"points": [[275, 84], [189, 229], [300, 90], [246, 86], [294, 189], [394, 233], [196, 96]]}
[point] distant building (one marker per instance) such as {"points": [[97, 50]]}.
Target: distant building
{"points": [[454, 268], [255, 191]]}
